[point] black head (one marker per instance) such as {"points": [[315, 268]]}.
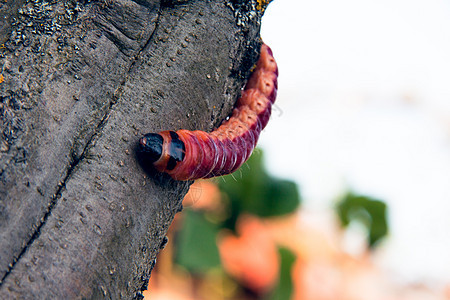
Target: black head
{"points": [[150, 147]]}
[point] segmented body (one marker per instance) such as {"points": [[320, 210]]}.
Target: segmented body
{"points": [[187, 155]]}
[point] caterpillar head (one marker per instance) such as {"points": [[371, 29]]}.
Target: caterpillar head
{"points": [[164, 150], [151, 145]]}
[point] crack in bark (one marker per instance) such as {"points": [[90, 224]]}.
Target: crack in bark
{"points": [[76, 161]]}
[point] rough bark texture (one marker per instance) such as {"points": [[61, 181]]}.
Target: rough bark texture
{"points": [[83, 80]]}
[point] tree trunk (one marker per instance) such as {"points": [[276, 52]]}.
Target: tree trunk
{"points": [[82, 81]]}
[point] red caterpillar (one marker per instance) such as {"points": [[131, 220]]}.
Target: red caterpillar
{"points": [[187, 155]]}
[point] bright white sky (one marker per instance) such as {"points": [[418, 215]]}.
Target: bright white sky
{"points": [[364, 103]]}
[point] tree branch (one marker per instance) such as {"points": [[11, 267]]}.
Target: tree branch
{"points": [[79, 217]]}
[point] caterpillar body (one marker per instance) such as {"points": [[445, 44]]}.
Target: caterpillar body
{"points": [[189, 155]]}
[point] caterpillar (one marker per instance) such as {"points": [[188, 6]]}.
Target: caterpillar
{"points": [[189, 155]]}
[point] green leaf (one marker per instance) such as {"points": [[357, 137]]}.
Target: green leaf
{"points": [[369, 212], [285, 285], [196, 243], [252, 190]]}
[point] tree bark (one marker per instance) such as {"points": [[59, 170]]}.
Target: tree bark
{"points": [[83, 80]]}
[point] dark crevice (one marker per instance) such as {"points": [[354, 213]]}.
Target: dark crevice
{"points": [[146, 3], [76, 161], [173, 3]]}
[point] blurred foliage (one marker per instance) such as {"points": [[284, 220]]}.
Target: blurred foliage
{"points": [[246, 256], [371, 213], [252, 190], [196, 243], [285, 286]]}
